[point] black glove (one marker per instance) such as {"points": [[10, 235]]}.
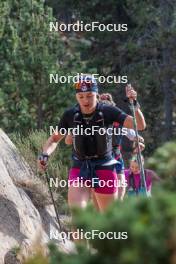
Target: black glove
{"points": [[135, 102], [43, 157]]}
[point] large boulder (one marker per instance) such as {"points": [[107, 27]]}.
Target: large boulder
{"points": [[21, 220]]}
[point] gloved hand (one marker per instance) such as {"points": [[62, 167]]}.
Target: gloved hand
{"points": [[42, 161]]}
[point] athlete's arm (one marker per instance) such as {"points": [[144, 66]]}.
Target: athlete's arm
{"points": [[53, 140], [154, 176], [48, 149], [68, 140], [141, 125], [114, 114], [51, 143]]}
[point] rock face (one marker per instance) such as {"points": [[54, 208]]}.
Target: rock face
{"points": [[20, 220]]}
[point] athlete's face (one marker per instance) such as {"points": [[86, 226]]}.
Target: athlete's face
{"points": [[87, 101], [134, 167]]}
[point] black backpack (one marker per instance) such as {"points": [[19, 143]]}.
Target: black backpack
{"points": [[91, 146]]}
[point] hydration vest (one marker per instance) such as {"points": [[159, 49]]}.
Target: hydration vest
{"points": [[92, 146], [117, 140]]}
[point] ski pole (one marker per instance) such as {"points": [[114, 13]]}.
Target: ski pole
{"points": [[138, 146], [52, 198]]}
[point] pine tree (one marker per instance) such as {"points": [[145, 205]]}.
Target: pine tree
{"points": [[145, 53], [29, 53]]}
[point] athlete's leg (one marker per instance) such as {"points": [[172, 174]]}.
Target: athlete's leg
{"points": [[107, 191], [78, 196], [122, 185], [121, 178], [94, 199], [104, 200]]}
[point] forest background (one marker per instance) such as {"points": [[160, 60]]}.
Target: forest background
{"points": [[29, 104]]}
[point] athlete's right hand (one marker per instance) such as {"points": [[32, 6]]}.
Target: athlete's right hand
{"points": [[42, 162], [130, 92]]}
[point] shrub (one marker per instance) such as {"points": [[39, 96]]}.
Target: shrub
{"points": [[164, 163]]}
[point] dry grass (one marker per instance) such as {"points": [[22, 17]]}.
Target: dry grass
{"points": [[34, 252], [37, 192]]}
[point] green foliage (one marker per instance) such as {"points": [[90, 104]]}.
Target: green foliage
{"points": [[37, 259], [164, 163], [145, 53], [144, 220], [15, 250], [150, 225], [29, 53]]}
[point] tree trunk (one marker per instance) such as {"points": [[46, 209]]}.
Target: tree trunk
{"points": [[166, 20]]}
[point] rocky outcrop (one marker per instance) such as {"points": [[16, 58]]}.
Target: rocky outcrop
{"points": [[21, 220]]}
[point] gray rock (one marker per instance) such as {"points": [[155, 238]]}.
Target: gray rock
{"points": [[20, 219]]}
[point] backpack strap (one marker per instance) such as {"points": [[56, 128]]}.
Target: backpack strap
{"points": [[102, 144], [77, 118], [98, 115]]}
